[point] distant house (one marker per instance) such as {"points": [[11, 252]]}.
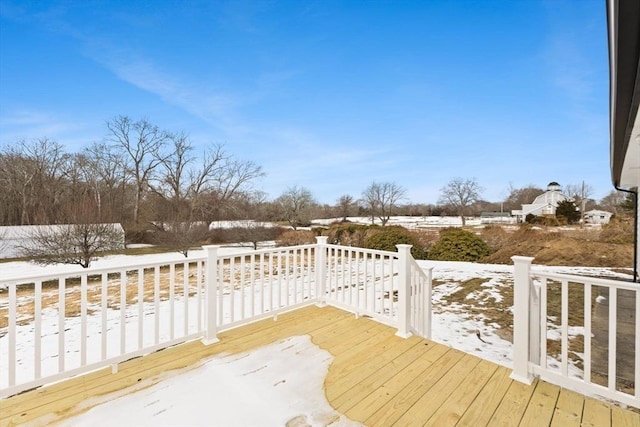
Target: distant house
{"points": [[13, 237], [544, 205], [595, 216]]}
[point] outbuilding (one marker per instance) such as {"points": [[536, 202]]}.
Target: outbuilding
{"points": [[596, 216]]}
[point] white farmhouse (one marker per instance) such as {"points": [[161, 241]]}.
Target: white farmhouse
{"points": [[596, 216], [544, 205]]}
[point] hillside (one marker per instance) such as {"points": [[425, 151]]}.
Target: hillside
{"points": [[590, 247]]}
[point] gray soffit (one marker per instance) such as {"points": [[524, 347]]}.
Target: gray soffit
{"points": [[623, 18]]}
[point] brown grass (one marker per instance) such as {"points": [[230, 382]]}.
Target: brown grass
{"points": [[553, 246]]}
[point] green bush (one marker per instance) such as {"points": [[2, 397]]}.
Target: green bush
{"points": [[386, 239], [568, 209], [456, 244]]}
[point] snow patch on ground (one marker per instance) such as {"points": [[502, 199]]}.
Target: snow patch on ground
{"points": [[274, 385]]}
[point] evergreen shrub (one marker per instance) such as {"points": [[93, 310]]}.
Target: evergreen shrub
{"points": [[456, 244], [386, 238]]}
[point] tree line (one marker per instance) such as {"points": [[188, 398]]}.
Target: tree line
{"points": [[137, 175], [143, 176]]}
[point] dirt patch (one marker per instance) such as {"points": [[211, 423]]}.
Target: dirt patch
{"points": [[490, 302]]}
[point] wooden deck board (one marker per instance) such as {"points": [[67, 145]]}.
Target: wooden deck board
{"points": [[368, 379], [426, 406], [403, 390], [542, 405], [568, 412], [454, 407], [622, 418], [484, 405], [513, 406], [596, 414], [375, 377]]}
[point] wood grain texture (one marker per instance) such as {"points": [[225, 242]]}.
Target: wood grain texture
{"points": [[375, 378]]}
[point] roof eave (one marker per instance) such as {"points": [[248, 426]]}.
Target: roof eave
{"points": [[623, 18]]}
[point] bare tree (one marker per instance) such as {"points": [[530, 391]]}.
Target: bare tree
{"points": [[142, 144], [295, 204], [580, 194], [460, 194], [32, 180], [234, 179], [345, 205], [173, 183], [105, 171], [255, 232], [521, 196], [203, 187], [382, 198], [71, 244], [181, 236], [612, 201]]}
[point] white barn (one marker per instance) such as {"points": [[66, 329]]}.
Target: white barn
{"points": [[544, 205]]}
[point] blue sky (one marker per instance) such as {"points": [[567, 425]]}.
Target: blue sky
{"points": [[328, 95]]}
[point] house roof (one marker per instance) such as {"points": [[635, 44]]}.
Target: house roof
{"points": [[623, 18]]}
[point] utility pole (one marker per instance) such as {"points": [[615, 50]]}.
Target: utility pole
{"points": [[583, 203]]}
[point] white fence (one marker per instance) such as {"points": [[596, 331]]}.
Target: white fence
{"points": [[58, 326], [577, 332]]}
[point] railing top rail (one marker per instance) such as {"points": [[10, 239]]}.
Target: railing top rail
{"points": [[364, 250], [417, 266], [586, 279], [92, 271], [250, 251]]}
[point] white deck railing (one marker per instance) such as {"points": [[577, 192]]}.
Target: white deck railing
{"points": [[67, 324], [594, 339], [62, 325]]}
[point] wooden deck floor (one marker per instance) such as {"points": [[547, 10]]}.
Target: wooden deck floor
{"points": [[375, 378]]}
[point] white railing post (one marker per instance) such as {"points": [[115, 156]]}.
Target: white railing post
{"points": [[211, 303], [13, 311], [321, 270], [535, 329], [521, 325], [404, 291], [427, 304]]}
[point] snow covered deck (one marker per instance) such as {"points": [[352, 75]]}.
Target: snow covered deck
{"points": [[374, 377]]}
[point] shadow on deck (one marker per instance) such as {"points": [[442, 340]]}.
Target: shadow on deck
{"points": [[375, 378]]}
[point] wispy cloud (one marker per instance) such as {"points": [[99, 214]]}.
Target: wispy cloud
{"points": [[38, 124], [200, 99], [214, 107]]}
